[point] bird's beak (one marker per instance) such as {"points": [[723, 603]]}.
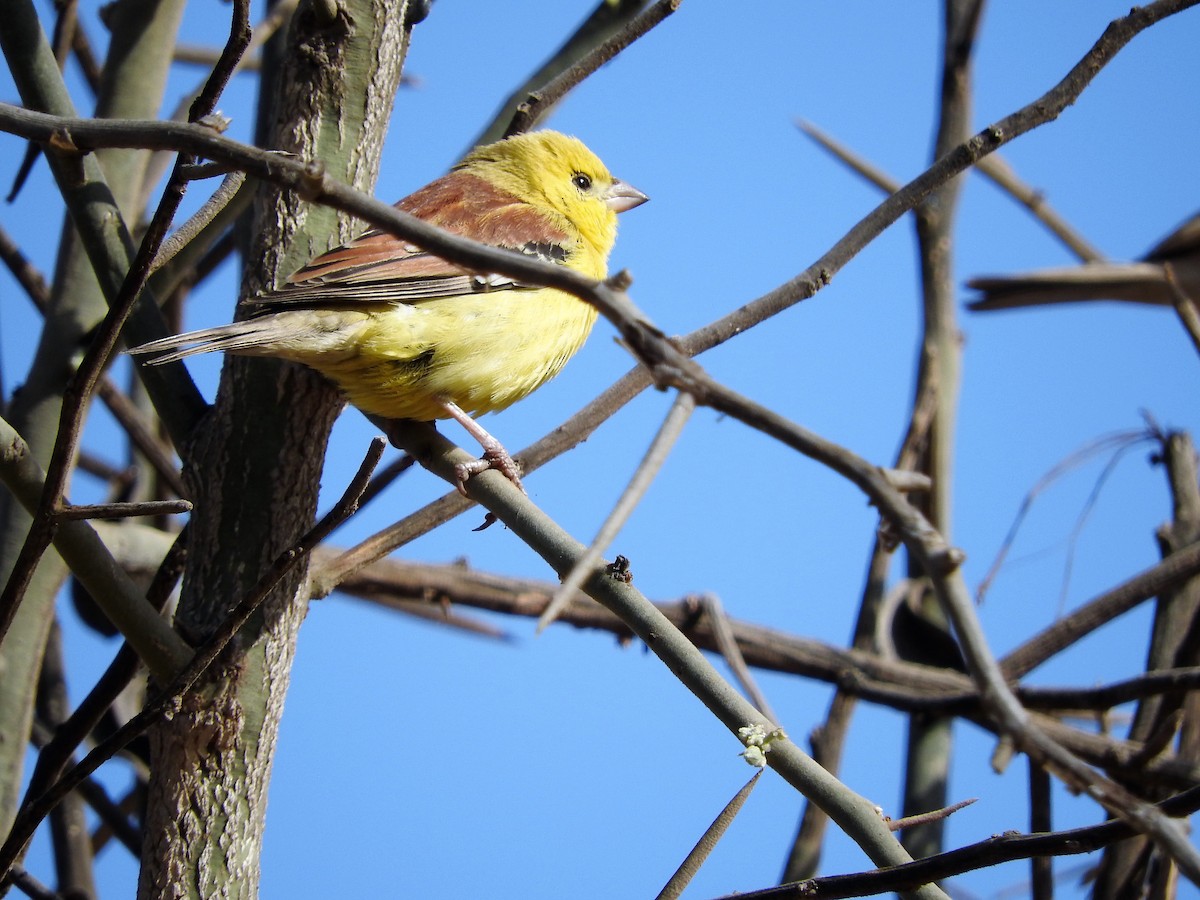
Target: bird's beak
{"points": [[622, 197]]}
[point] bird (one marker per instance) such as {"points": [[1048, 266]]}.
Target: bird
{"points": [[407, 335], [1144, 281]]}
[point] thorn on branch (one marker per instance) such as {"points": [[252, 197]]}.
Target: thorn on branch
{"points": [[621, 281], [62, 142], [936, 815]]}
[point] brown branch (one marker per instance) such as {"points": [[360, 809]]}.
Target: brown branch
{"points": [[859, 673], [855, 162], [25, 272], [202, 218], [538, 104], [142, 436], [123, 510], [1001, 849], [1172, 571], [97, 797]]}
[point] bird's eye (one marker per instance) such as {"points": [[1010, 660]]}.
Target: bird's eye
{"points": [[581, 181]]}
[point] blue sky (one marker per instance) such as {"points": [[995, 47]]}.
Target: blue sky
{"points": [[413, 760]]}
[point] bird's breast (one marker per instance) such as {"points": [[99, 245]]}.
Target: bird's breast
{"points": [[483, 352]]}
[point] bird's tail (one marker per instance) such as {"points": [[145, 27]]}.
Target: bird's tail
{"points": [[253, 337]]}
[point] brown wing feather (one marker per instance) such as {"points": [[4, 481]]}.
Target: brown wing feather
{"points": [[379, 267]]}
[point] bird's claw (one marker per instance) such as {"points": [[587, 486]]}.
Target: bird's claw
{"points": [[492, 458]]}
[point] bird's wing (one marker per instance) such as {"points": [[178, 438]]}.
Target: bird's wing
{"points": [[379, 267]]}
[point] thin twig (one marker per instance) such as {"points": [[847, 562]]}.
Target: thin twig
{"points": [[386, 476], [854, 161], [142, 435], [1117, 441], [31, 887], [647, 470], [996, 169], [991, 852], [96, 796], [25, 272], [1172, 571], [199, 221], [728, 645], [538, 104], [124, 510], [1085, 512]]}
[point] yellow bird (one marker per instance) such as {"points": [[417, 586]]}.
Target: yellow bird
{"points": [[408, 335]]}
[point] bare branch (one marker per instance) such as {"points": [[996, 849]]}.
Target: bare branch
{"points": [[536, 105], [123, 510], [996, 850], [643, 476]]}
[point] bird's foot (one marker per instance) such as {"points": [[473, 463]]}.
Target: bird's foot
{"points": [[494, 454], [494, 457]]}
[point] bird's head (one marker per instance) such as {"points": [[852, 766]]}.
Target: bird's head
{"points": [[557, 172]]}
